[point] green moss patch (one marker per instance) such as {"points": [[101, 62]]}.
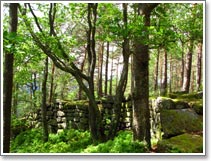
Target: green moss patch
{"points": [[186, 143], [175, 122]]}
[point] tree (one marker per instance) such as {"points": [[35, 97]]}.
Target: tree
{"points": [[62, 60], [106, 70], [141, 123], [44, 107], [124, 74], [199, 67], [8, 77]]}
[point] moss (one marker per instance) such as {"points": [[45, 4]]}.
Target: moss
{"points": [[186, 143], [175, 122], [68, 104], [198, 106]]}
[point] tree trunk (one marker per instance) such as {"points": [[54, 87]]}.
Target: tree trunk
{"points": [[182, 65], [15, 99], [44, 107], [170, 74], [123, 78], [199, 67], [140, 99], [164, 80], [111, 78], [52, 84], [80, 91], [100, 71], [106, 70], [8, 80], [187, 72], [156, 71], [95, 120]]}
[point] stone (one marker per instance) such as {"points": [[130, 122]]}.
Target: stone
{"points": [[59, 119], [62, 126], [198, 108], [185, 143], [181, 105], [52, 122], [176, 122], [164, 103], [60, 113]]}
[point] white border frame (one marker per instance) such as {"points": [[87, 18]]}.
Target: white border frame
{"points": [[113, 154]]}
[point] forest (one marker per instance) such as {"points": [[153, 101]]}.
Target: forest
{"points": [[103, 77]]}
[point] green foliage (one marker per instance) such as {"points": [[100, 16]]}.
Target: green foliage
{"points": [[66, 141], [74, 141], [122, 143], [18, 126]]}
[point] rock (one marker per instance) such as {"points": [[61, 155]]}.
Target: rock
{"points": [[165, 103], [198, 108], [176, 122], [52, 122], [62, 126], [185, 143], [59, 119], [181, 105], [60, 113]]}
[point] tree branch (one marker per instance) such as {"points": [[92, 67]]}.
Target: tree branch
{"points": [[35, 18]]}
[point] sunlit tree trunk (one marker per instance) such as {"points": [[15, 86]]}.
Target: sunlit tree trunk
{"points": [[8, 80], [106, 70], [187, 71], [156, 71], [199, 67], [164, 80]]}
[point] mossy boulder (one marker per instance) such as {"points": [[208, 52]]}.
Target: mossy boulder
{"points": [[181, 105], [176, 122], [185, 143], [165, 103], [198, 107]]}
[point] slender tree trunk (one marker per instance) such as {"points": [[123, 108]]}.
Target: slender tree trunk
{"points": [[192, 80], [141, 113], [8, 80], [44, 99], [182, 65], [164, 80], [199, 67], [170, 74], [117, 73], [111, 78], [52, 83], [123, 78], [80, 91], [15, 99], [100, 71], [106, 70], [187, 72], [156, 71], [95, 120]]}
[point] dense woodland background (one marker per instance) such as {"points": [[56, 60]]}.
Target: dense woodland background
{"points": [[95, 51]]}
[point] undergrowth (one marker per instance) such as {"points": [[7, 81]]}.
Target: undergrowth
{"points": [[74, 141]]}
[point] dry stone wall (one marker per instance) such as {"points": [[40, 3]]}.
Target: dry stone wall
{"points": [[165, 116]]}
